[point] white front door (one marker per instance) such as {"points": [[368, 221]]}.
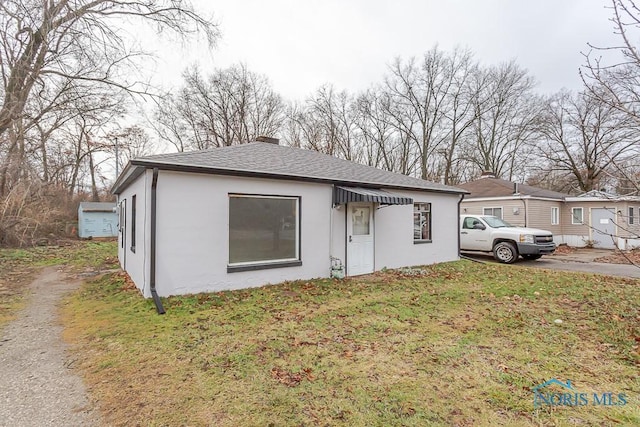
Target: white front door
{"points": [[359, 238]]}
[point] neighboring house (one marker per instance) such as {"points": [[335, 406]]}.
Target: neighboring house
{"points": [[594, 218], [258, 213], [518, 204], [97, 219], [604, 220]]}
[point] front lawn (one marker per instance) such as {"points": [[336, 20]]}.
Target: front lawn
{"points": [[453, 344]]}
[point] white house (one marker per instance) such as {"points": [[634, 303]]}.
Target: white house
{"points": [[252, 214]]}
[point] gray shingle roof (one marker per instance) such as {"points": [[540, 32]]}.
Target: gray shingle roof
{"points": [[495, 187], [276, 161]]}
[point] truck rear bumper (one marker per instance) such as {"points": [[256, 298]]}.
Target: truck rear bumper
{"points": [[536, 249]]}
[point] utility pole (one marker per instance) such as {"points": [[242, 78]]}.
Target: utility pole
{"points": [[117, 162]]}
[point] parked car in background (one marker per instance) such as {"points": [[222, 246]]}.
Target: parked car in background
{"points": [[485, 233]]}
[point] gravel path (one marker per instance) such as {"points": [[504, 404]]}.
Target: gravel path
{"points": [[38, 386]]}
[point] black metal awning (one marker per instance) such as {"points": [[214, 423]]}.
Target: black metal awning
{"points": [[342, 195]]}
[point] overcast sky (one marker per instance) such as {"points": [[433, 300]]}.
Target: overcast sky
{"points": [[300, 45]]}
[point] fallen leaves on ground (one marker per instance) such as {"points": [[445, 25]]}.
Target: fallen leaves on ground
{"points": [[291, 379], [619, 257]]}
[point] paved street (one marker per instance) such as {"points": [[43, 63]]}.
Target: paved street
{"points": [[581, 261]]}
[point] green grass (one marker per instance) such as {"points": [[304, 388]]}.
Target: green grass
{"points": [[75, 254], [19, 266], [460, 344]]}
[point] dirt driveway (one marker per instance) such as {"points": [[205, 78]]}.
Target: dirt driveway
{"points": [[581, 260], [38, 386]]}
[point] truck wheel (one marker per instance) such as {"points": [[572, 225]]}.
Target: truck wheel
{"points": [[531, 257], [505, 252]]}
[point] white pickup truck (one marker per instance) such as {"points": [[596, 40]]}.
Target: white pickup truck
{"points": [[485, 233]]}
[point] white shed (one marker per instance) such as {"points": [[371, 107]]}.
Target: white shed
{"points": [[259, 213]]}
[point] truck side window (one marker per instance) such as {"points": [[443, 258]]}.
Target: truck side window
{"points": [[468, 223]]}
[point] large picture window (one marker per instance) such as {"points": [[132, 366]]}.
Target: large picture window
{"points": [[421, 222], [263, 229]]}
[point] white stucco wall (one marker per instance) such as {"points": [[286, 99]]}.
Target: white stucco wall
{"points": [[394, 245], [338, 234], [193, 232], [136, 263], [193, 236]]}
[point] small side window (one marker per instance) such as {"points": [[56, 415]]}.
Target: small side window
{"points": [[122, 222], [133, 223], [555, 216], [577, 216], [631, 219], [421, 222], [497, 212]]}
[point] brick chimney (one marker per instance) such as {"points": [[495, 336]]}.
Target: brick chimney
{"points": [[487, 174], [268, 139]]}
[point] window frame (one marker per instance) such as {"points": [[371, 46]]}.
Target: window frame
{"points": [[492, 209], [555, 219], [430, 212], [630, 217], [133, 223], [573, 217], [122, 223], [266, 264]]}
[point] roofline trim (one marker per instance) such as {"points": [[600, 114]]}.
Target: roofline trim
{"points": [[521, 197], [126, 177], [123, 182], [598, 199]]}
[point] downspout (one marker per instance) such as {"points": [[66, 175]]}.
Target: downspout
{"points": [[516, 192], [458, 231], [333, 198], [152, 278]]}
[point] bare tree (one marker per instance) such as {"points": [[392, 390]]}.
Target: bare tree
{"points": [[129, 142], [459, 116], [585, 137], [611, 75], [230, 106], [379, 139], [419, 94], [615, 79], [327, 122], [506, 113], [44, 42]]}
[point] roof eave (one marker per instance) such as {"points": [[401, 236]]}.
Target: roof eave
{"points": [[593, 199], [514, 197], [128, 175], [123, 181]]}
